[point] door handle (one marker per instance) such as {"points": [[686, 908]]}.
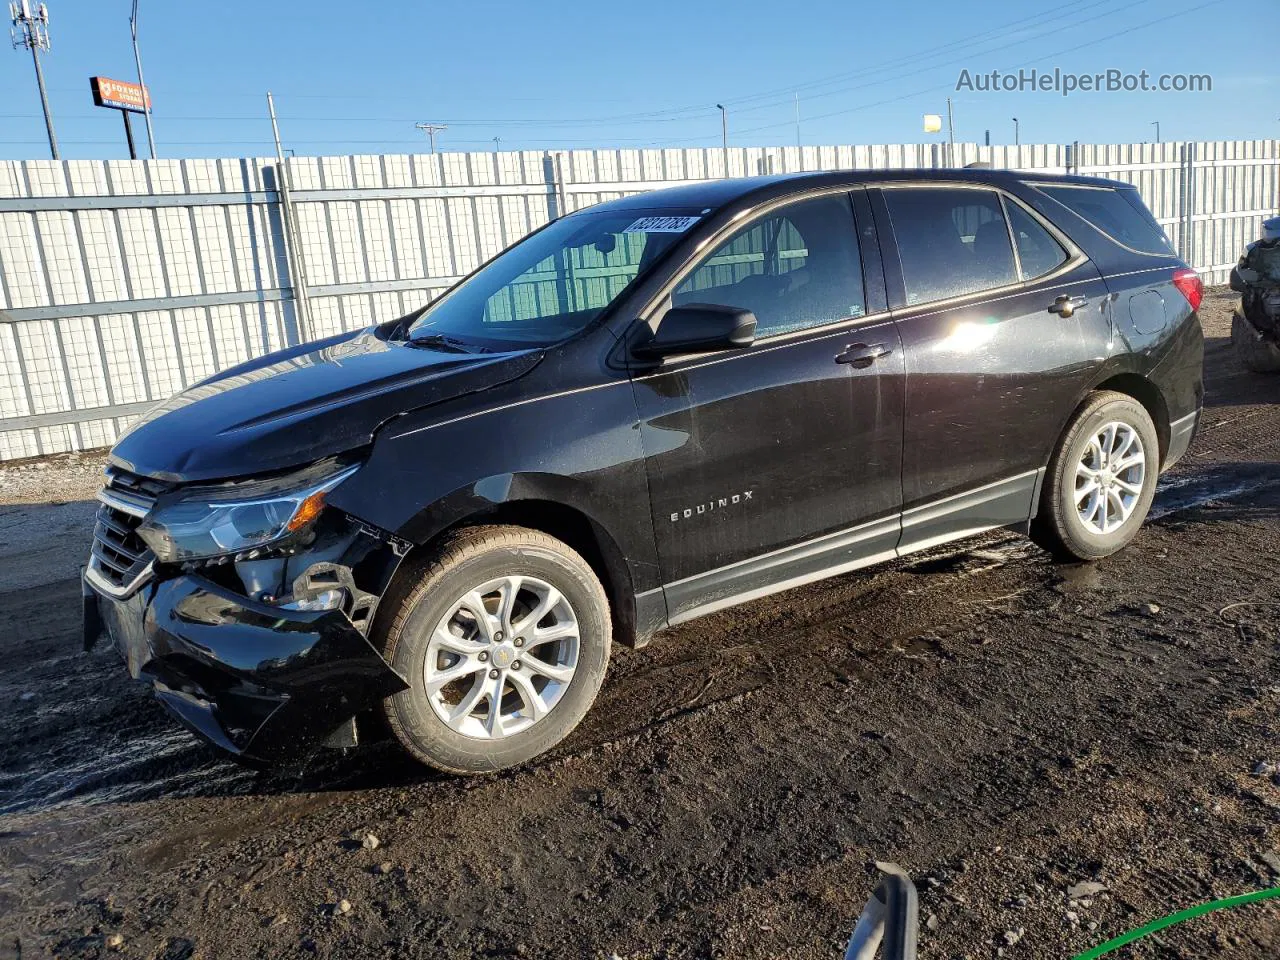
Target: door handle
{"points": [[860, 355], [1065, 306]]}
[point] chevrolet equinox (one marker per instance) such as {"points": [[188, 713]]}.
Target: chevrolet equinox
{"points": [[641, 413]]}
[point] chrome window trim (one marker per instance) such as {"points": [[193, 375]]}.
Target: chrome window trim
{"points": [[1006, 292], [1075, 257], [1013, 240], [1039, 185], [735, 223], [1063, 241]]}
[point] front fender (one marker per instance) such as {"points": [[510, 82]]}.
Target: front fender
{"points": [[577, 448]]}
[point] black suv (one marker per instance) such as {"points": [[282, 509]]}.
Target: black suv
{"points": [[643, 412]]}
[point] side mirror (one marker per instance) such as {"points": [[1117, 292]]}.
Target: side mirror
{"points": [[699, 328]]}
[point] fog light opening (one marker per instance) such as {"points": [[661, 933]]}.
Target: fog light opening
{"points": [[330, 599]]}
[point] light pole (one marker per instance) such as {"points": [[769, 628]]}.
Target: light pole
{"points": [[724, 136], [146, 100], [431, 129], [1016, 138], [1156, 124], [31, 30], [951, 135]]}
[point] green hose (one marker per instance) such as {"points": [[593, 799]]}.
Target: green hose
{"points": [[1169, 921]]}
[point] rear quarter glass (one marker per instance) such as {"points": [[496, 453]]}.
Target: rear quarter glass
{"points": [[1117, 212]]}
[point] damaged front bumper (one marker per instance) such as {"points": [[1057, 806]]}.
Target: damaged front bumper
{"points": [[263, 682], [1257, 279]]}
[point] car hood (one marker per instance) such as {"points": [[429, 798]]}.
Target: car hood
{"points": [[298, 405]]}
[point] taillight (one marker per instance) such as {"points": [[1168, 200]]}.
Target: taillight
{"points": [[1190, 286]]}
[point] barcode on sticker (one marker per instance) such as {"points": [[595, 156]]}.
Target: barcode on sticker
{"points": [[662, 225]]}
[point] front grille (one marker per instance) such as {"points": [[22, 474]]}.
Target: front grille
{"points": [[120, 559]]}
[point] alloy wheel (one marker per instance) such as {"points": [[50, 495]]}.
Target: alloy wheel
{"points": [[1109, 477], [502, 657]]}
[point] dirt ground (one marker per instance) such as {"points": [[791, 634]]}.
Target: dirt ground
{"points": [[1002, 727]]}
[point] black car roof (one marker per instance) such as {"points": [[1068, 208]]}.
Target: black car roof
{"points": [[708, 195]]}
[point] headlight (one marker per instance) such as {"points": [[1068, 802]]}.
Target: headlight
{"points": [[239, 517]]}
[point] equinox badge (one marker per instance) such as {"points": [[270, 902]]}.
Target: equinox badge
{"points": [[689, 513]]}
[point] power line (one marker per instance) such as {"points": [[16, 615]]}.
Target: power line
{"points": [[932, 88], [967, 55], [1044, 19], [693, 111]]}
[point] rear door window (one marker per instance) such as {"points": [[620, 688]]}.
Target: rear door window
{"points": [[1038, 252], [951, 241], [1120, 214], [794, 268]]}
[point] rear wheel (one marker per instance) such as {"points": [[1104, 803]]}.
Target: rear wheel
{"points": [[504, 642], [1254, 353], [1101, 479]]}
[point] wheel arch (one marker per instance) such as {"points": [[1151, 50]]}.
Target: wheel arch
{"points": [[552, 516], [1131, 383], [1146, 392]]}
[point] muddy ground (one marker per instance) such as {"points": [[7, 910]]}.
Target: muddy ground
{"points": [[1002, 727]]}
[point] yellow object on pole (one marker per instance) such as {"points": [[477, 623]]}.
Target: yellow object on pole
{"points": [[932, 123]]}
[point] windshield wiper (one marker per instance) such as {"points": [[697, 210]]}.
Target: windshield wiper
{"points": [[440, 341]]}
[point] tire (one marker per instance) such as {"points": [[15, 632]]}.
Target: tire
{"points": [[1254, 353], [531, 566], [1059, 527]]}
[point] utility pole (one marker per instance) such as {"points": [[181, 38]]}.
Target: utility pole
{"points": [[1015, 132], [431, 129], [496, 142], [951, 136], [146, 101], [31, 30], [293, 238], [724, 135], [797, 119], [1156, 124]]}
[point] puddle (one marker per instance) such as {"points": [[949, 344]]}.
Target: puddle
{"points": [[1078, 578], [141, 767], [1186, 491]]}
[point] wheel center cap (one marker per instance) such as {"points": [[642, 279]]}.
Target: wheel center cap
{"points": [[503, 656]]}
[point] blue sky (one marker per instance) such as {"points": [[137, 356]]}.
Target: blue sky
{"points": [[354, 78]]}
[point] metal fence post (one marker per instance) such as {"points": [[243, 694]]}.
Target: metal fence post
{"points": [[1187, 196], [559, 181], [1191, 203], [293, 252]]}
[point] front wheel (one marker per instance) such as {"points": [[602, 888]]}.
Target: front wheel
{"points": [[1101, 480], [504, 642]]}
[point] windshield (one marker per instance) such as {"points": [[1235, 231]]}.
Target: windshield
{"points": [[554, 283]]}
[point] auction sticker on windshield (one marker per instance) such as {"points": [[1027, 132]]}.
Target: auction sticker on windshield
{"points": [[662, 225]]}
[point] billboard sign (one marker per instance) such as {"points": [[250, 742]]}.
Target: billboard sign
{"points": [[119, 95]]}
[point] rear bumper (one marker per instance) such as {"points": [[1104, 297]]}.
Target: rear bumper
{"points": [[1181, 433], [260, 682]]}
